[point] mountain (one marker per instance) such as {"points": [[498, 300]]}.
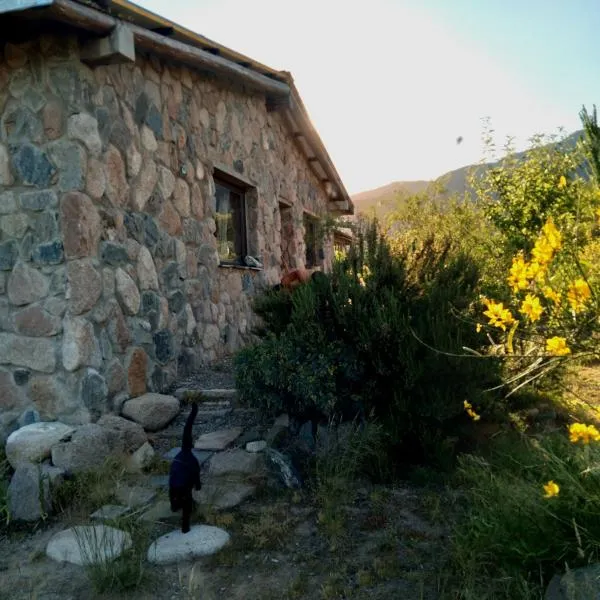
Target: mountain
{"points": [[382, 200]]}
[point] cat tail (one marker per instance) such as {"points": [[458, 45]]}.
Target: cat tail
{"points": [[187, 443]]}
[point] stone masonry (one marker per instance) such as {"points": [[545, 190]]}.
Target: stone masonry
{"points": [[110, 281]]}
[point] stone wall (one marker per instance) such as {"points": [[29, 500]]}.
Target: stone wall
{"points": [[109, 276]]}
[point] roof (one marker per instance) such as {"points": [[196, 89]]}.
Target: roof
{"points": [[155, 34]]}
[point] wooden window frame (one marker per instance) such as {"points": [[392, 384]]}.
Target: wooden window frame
{"points": [[241, 224]]}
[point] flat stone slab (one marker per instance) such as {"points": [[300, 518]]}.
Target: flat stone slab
{"points": [[218, 440], [256, 446], [134, 496], [201, 455], [199, 395], [201, 540], [110, 511], [88, 545], [235, 461], [224, 495], [159, 481], [161, 511]]}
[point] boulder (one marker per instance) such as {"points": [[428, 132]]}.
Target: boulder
{"points": [[201, 540], [30, 491], [33, 443], [576, 584], [151, 411], [88, 545], [124, 435], [256, 446], [235, 461], [87, 449]]}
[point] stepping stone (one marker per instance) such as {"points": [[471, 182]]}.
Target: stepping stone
{"points": [[159, 481], [161, 511], [201, 456], [256, 446], [201, 540], [134, 496], [88, 545], [218, 440], [235, 461], [110, 511], [223, 495]]}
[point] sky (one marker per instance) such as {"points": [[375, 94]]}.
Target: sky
{"points": [[391, 85]]}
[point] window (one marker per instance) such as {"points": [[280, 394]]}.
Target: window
{"points": [[311, 241], [231, 223]]}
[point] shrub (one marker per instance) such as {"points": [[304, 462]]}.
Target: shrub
{"points": [[381, 337]]}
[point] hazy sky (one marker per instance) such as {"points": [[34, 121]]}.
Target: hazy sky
{"points": [[391, 84]]}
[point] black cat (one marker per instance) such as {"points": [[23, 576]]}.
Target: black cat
{"points": [[185, 475]]}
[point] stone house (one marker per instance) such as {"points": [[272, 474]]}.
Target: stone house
{"points": [[151, 181]]}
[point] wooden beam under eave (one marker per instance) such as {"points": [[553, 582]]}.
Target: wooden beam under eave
{"points": [[116, 48]]}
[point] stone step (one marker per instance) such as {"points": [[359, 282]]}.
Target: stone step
{"points": [[202, 396]]}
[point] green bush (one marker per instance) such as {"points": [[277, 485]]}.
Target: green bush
{"points": [[381, 337], [511, 539]]}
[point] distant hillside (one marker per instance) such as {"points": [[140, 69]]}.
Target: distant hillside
{"points": [[383, 199]]}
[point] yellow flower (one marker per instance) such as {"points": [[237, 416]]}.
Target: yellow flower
{"points": [[543, 251], [584, 433], [562, 182], [551, 295], [551, 488], [579, 293], [557, 346], [552, 234], [497, 314], [536, 270], [531, 307], [478, 327], [470, 411], [518, 274]]}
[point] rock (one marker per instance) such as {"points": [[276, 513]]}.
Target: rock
{"points": [[201, 455], [29, 492], [87, 449], [8, 204], [235, 461], [181, 198], [223, 495], [124, 435], [95, 180], [52, 119], [146, 183], [26, 285], [117, 189], [201, 540], [32, 443], [140, 459], [146, 270], [134, 496], [161, 511], [218, 440], [163, 346], [5, 174], [38, 354], [31, 166], [84, 128], [80, 345], [151, 411], [576, 584], [84, 286], [36, 322], [48, 254], [284, 468], [70, 160], [9, 252], [137, 365], [110, 512], [256, 446], [80, 224], [87, 545], [134, 161], [28, 417], [159, 481], [113, 254], [15, 225], [38, 200], [11, 396], [127, 292], [94, 393]]}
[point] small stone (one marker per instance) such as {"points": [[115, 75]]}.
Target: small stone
{"points": [[117, 189], [14, 225], [113, 254], [87, 545], [51, 253], [21, 376], [181, 198], [134, 496], [211, 337], [32, 443], [134, 161], [170, 219], [31, 166], [84, 286], [71, 163], [52, 119], [95, 182], [151, 411], [223, 495], [256, 446], [146, 270], [201, 540], [137, 372], [36, 322], [163, 346], [80, 346], [84, 128], [21, 125], [28, 417], [148, 140], [5, 174], [145, 187], [26, 285], [127, 292], [9, 253], [116, 378], [110, 512], [8, 204], [11, 396], [81, 225], [29, 492], [235, 461], [38, 200], [218, 440]]}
